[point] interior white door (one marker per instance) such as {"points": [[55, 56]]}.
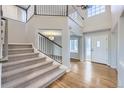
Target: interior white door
{"points": [[99, 49]]}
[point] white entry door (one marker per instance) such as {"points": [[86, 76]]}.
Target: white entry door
{"points": [[99, 49]]}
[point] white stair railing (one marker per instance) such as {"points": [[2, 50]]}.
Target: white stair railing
{"points": [[50, 48], [3, 41]]}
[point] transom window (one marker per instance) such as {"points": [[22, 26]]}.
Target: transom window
{"points": [[74, 45], [95, 10]]}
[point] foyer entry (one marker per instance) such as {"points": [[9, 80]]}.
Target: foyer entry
{"points": [[96, 48]]}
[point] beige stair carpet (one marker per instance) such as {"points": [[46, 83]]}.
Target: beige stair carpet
{"points": [[26, 69]]}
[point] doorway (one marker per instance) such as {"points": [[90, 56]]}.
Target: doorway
{"points": [[96, 48]]}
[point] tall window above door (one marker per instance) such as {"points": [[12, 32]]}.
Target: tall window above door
{"points": [[95, 10], [74, 45]]}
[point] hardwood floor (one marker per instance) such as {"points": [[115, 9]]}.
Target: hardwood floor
{"points": [[87, 75]]}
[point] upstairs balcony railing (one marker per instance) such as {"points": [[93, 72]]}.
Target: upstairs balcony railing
{"points": [[51, 10], [47, 10], [56, 10], [23, 15]]}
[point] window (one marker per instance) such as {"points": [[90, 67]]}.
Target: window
{"points": [[95, 10], [74, 46]]}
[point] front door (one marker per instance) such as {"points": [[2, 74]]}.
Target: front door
{"points": [[100, 49]]}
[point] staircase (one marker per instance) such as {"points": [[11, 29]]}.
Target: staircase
{"points": [[26, 69]]}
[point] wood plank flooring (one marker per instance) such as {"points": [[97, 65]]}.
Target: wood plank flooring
{"points": [[87, 75]]}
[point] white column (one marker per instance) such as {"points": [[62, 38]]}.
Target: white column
{"points": [[113, 49], [0, 36], [0, 45], [0, 73], [121, 53], [82, 50], [66, 45]]}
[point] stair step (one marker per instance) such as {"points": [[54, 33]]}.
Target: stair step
{"points": [[18, 64], [14, 46], [16, 71], [20, 81], [27, 69], [47, 79], [17, 57], [20, 51]]}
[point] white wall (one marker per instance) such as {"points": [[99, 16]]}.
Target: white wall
{"points": [[16, 32], [74, 28], [98, 22], [113, 47], [43, 22], [58, 40], [116, 11], [50, 22], [117, 29], [121, 53]]}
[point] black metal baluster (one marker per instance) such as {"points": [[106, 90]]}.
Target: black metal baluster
{"points": [[42, 44], [45, 45], [39, 42]]}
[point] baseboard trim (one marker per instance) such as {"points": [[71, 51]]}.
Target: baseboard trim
{"points": [[20, 44], [74, 59]]}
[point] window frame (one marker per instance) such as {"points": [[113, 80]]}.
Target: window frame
{"points": [[74, 45], [95, 10]]}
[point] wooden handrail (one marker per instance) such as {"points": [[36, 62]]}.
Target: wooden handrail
{"points": [[49, 47], [50, 40]]}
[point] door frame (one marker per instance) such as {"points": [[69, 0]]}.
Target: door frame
{"points": [[86, 50], [106, 32]]}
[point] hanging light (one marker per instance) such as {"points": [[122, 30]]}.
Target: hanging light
{"points": [[51, 34], [51, 37]]}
